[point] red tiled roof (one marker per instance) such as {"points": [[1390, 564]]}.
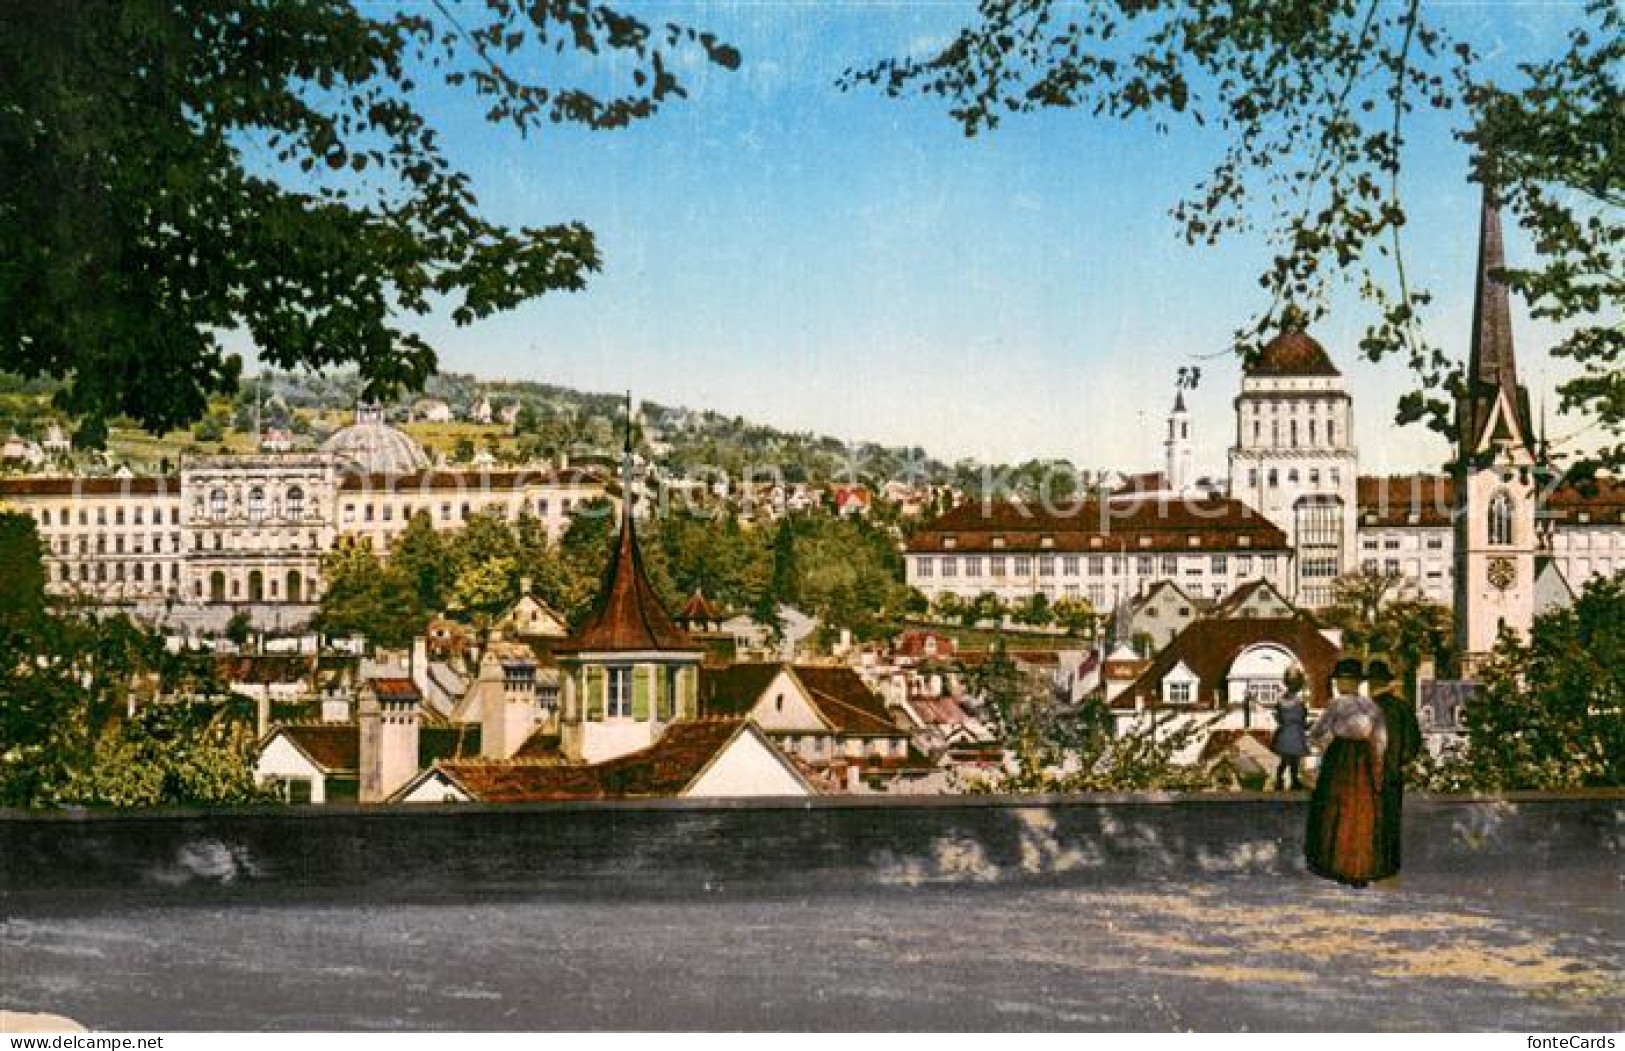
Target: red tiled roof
{"points": [[1601, 501], [700, 608], [1128, 526], [664, 769], [845, 702], [1209, 647], [735, 689], [395, 689], [335, 748], [1292, 354], [69, 485], [629, 615], [1396, 500], [1243, 594]]}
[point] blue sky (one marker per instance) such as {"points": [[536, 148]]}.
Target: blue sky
{"points": [[853, 265]]}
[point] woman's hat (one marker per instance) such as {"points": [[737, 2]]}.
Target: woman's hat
{"points": [[1349, 668], [1378, 671]]}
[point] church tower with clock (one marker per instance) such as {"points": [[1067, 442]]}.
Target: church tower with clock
{"points": [[1496, 483]]}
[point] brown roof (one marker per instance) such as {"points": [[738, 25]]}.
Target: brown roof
{"points": [[735, 689], [845, 702], [1292, 354], [1600, 501], [838, 692], [1243, 594], [1407, 499], [395, 689], [700, 608], [629, 615], [1130, 526], [70, 485], [664, 769], [335, 748], [1209, 647]]}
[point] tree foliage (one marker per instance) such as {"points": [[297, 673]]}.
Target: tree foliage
{"points": [[175, 171], [1315, 100], [1551, 710], [66, 683]]}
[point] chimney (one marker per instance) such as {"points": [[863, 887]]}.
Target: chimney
{"points": [[524, 586], [419, 664], [507, 708], [389, 741], [262, 711]]}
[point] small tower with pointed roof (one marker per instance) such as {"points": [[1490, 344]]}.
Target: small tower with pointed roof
{"points": [[628, 671], [1177, 446], [1495, 467]]}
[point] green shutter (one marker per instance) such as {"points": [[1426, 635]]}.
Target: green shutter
{"points": [[640, 691], [595, 694], [663, 693]]}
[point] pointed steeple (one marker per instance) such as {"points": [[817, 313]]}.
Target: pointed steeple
{"points": [[628, 615], [1179, 400], [1492, 368]]}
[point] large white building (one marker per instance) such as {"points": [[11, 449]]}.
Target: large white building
{"points": [[249, 532], [1495, 536]]}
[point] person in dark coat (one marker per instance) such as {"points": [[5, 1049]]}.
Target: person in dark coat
{"points": [[1404, 745], [1345, 810], [1291, 731]]}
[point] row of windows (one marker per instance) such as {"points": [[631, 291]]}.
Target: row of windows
{"points": [[66, 545], [1292, 434], [138, 516], [101, 573], [386, 512], [1401, 543], [290, 506], [1334, 476], [1097, 565]]}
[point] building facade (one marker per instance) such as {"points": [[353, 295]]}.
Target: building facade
{"points": [[251, 531]]}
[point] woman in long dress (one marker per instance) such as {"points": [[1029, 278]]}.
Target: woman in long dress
{"points": [[1404, 745], [1345, 811]]}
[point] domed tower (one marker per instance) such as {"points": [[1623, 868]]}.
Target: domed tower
{"points": [[1294, 458], [370, 446]]}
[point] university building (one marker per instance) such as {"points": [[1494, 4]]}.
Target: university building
{"points": [[1493, 535], [250, 531]]}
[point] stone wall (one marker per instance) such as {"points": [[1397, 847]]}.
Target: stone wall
{"points": [[689, 849]]}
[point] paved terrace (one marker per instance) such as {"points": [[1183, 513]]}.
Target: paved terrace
{"points": [[1105, 913]]}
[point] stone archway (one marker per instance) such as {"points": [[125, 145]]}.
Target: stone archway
{"points": [[294, 591], [256, 586], [217, 586]]}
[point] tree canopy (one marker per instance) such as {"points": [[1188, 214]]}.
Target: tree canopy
{"points": [[176, 172], [1316, 100]]}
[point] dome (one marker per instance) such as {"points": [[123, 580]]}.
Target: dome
{"points": [[371, 446], [1293, 354]]}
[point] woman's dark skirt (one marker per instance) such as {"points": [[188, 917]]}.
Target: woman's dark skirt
{"points": [[1345, 815]]}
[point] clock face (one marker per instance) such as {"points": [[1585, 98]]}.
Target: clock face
{"points": [[1502, 573]]}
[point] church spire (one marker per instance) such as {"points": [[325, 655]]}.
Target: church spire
{"points": [[1492, 369]]}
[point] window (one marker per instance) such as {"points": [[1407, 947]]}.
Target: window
{"points": [[1069, 565], [1097, 565], [256, 504], [923, 567], [295, 502], [1220, 564], [1046, 565], [1501, 520], [118, 516], [1170, 564], [1252, 477], [366, 513], [973, 566], [1023, 565], [950, 567], [1146, 565], [217, 504], [995, 566], [45, 517], [1314, 476], [1292, 476], [1179, 693], [618, 696], [137, 519], [1274, 478]]}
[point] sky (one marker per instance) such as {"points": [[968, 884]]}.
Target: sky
{"points": [[853, 265]]}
